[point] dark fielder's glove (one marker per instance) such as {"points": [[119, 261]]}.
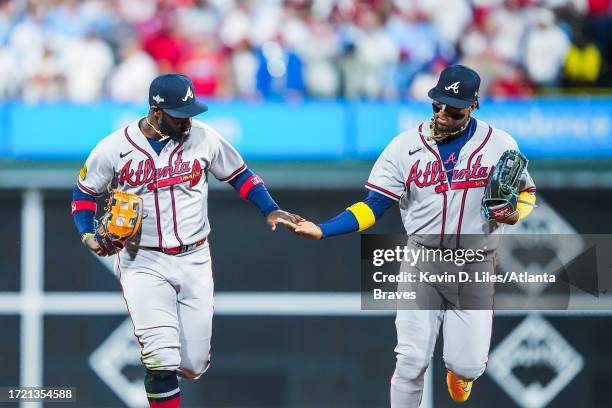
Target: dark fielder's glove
{"points": [[502, 191], [120, 222]]}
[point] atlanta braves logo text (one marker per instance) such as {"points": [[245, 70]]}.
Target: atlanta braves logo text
{"points": [[146, 173], [433, 174]]}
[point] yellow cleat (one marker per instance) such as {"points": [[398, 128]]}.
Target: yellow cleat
{"points": [[458, 388]]}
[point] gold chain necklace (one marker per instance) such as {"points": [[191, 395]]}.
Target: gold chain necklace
{"points": [[440, 136]]}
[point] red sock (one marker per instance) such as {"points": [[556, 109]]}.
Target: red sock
{"points": [[171, 403]]}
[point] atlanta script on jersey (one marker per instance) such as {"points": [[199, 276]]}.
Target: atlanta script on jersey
{"points": [[173, 184], [410, 171]]}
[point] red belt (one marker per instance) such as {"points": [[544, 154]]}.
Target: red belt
{"points": [[179, 249]]}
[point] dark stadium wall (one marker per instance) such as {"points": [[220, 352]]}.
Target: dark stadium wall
{"points": [[285, 361]]}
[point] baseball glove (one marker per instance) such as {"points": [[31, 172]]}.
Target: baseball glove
{"points": [[120, 222], [501, 193]]}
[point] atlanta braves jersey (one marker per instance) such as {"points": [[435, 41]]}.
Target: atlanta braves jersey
{"points": [[173, 184], [411, 172]]}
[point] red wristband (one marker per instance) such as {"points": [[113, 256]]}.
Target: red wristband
{"points": [[81, 205], [249, 184]]}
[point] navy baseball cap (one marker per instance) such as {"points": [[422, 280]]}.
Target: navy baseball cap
{"points": [[173, 93], [457, 87]]}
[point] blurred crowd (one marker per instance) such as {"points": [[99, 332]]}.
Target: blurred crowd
{"points": [[84, 50]]}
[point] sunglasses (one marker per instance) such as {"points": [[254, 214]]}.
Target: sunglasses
{"points": [[437, 107]]}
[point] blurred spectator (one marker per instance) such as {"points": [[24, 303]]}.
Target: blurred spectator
{"points": [[27, 40], [480, 54], [487, 3], [360, 49], [129, 81], [426, 80], [490, 68], [244, 66], [419, 42], [87, 62], [474, 42], [317, 45], [583, 63], [199, 21], [375, 54], [514, 83], [207, 66], [321, 75], [508, 25], [235, 26], [578, 6], [449, 17], [66, 19], [45, 80], [7, 16], [599, 7], [166, 44], [546, 48], [10, 80], [600, 27], [136, 11], [279, 73]]}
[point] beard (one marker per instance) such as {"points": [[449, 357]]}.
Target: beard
{"points": [[168, 130], [446, 128]]}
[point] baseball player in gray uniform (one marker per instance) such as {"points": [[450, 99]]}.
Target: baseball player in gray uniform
{"points": [[165, 271], [437, 172]]}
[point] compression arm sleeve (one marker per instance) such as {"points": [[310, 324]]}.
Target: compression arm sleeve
{"points": [[83, 211], [359, 216], [252, 188]]}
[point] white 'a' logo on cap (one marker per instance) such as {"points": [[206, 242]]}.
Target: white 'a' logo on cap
{"points": [[454, 87], [188, 95]]}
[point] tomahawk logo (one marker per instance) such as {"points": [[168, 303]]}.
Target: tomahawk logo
{"points": [[454, 87], [158, 99], [534, 363], [188, 95]]}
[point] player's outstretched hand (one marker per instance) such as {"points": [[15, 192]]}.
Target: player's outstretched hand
{"points": [[289, 220], [92, 244], [309, 230]]}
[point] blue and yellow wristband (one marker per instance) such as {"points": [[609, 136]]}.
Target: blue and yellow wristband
{"points": [[358, 217]]}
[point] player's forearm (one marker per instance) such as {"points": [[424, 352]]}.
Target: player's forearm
{"points": [[252, 188], [358, 217], [341, 224], [83, 211], [263, 200]]}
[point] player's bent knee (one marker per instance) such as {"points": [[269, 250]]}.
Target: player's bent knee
{"points": [[412, 362], [193, 371], [164, 359], [408, 369], [187, 374]]}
